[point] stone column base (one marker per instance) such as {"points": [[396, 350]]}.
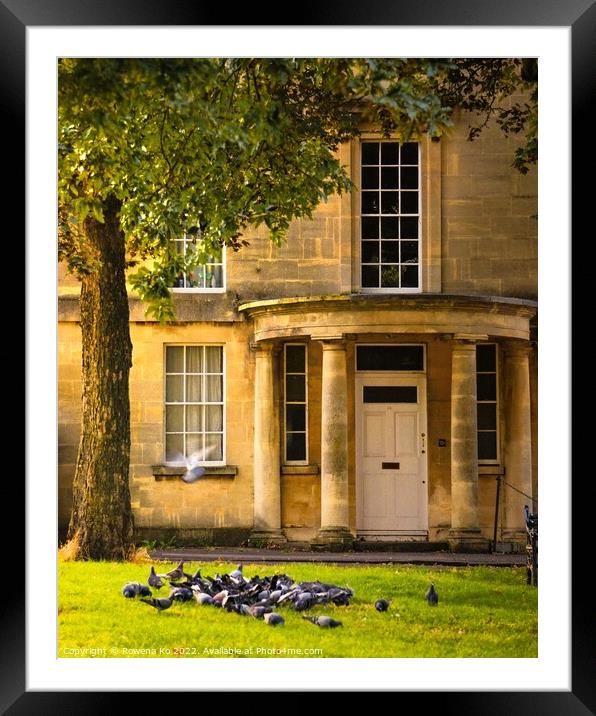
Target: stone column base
{"points": [[467, 540], [516, 540], [266, 538], [334, 538]]}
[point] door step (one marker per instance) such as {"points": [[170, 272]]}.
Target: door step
{"points": [[401, 546]]}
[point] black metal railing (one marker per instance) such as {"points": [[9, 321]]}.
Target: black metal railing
{"points": [[531, 547]]}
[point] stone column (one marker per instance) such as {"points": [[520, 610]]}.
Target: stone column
{"points": [[518, 440], [266, 461], [334, 446], [465, 532]]}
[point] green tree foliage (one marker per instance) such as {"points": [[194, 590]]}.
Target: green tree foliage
{"points": [[150, 150]]}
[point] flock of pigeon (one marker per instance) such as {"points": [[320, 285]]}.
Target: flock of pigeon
{"points": [[256, 597]]}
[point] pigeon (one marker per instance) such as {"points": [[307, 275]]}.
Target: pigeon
{"points": [[431, 596], [194, 470], [181, 594], [274, 619], [381, 605], [324, 622], [154, 580], [203, 599], [159, 604], [220, 597], [258, 612], [174, 574], [237, 573], [134, 589]]}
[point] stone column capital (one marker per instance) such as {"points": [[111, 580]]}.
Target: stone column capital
{"points": [[333, 342], [517, 349], [265, 346], [467, 340]]}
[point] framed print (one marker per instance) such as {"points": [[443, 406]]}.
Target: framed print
{"points": [[33, 38]]}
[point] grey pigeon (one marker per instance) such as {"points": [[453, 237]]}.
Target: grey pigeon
{"points": [[237, 573], [324, 622], [258, 612], [135, 589], [193, 469], [381, 605], [181, 594], [203, 599], [154, 580], [175, 574], [274, 619], [159, 604], [431, 596]]}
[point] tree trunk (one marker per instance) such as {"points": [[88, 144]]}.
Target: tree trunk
{"points": [[101, 524]]}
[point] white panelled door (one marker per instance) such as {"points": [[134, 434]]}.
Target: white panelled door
{"points": [[391, 455]]}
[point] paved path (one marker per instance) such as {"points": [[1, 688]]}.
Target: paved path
{"points": [[271, 556]]}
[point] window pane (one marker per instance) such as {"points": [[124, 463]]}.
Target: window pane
{"points": [[389, 153], [295, 417], [174, 418], [370, 276], [214, 417], [390, 394], [213, 446], [295, 388], [389, 202], [179, 247], [409, 252], [390, 276], [370, 229], [409, 153], [409, 202], [214, 277], [370, 152], [370, 202], [194, 388], [174, 448], [196, 279], [175, 389], [174, 359], [296, 446], [486, 358], [194, 418], [389, 358], [295, 359], [389, 228], [486, 387], [370, 178], [409, 178], [213, 389], [487, 416], [390, 252], [194, 444], [194, 359], [409, 228], [487, 446], [213, 359], [390, 178], [370, 252], [409, 276]]}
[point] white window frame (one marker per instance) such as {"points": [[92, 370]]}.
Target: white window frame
{"points": [[389, 290], [212, 463], [497, 459], [293, 402], [197, 289]]}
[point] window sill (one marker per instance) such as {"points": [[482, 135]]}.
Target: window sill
{"points": [[170, 472], [299, 469], [491, 470], [198, 290]]}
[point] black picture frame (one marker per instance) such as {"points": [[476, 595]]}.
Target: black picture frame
{"points": [[580, 16]]}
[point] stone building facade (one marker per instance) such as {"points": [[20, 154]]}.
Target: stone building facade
{"points": [[371, 380]]}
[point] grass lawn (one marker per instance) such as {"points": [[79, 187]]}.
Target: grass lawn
{"points": [[482, 612]]}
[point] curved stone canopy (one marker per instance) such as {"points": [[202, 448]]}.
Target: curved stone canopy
{"points": [[335, 316]]}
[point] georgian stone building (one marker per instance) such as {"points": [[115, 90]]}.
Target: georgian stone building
{"points": [[370, 380]]}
